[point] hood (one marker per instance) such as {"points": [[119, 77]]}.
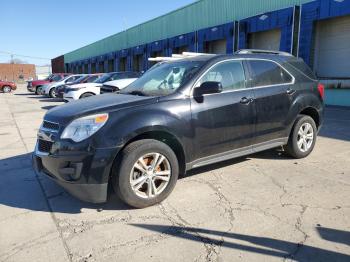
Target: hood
{"points": [[93, 105], [39, 82]]}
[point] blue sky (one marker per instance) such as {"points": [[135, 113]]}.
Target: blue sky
{"points": [[48, 28]]}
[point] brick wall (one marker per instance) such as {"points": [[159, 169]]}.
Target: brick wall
{"points": [[13, 72], [57, 64]]}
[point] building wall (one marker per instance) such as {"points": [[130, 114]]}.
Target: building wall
{"points": [[57, 64], [13, 72], [196, 16]]}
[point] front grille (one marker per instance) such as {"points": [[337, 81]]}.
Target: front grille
{"points": [[51, 126], [44, 146]]}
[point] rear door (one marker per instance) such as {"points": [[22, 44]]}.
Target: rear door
{"points": [[225, 121], [273, 91]]}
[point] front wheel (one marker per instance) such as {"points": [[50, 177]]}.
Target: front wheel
{"points": [[146, 173], [52, 92], [302, 138], [6, 89]]}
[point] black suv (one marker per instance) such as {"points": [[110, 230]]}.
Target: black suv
{"points": [[178, 116]]}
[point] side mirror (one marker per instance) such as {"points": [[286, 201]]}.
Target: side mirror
{"points": [[208, 88]]}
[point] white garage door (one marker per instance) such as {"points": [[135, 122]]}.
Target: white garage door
{"points": [[266, 40], [332, 48], [216, 47]]}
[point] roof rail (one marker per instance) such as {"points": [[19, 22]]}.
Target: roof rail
{"points": [[175, 57], [258, 51]]}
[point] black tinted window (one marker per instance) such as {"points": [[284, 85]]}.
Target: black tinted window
{"points": [[230, 74], [265, 73]]}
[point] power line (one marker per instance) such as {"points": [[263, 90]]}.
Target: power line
{"points": [[26, 56]]}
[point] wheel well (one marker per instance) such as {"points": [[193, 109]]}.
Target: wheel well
{"points": [[86, 93], [312, 112], [169, 140]]}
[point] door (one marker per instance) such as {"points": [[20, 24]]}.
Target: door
{"points": [[216, 47], [332, 48], [273, 92], [225, 121], [265, 40]]}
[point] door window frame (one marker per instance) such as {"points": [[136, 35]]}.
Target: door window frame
{"points": [[214, 65]]}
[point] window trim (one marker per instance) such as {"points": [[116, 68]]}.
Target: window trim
{"points": [[245, 75]]}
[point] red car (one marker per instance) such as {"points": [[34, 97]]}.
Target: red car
{"points": [[34, 85], [7, 87]]}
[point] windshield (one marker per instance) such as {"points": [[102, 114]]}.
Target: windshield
{"points": [[79, 80], [104, 78], [163, 79], [56, 78]]}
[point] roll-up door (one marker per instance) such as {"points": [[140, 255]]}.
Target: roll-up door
{"points": [[331, 58], [266, 40]]}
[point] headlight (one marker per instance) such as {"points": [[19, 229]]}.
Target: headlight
{"points": [[82, 128]]}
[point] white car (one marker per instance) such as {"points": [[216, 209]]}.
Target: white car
{"points": [[50, 89], [118, 80]]}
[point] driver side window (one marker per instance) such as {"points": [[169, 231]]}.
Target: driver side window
{"points": [[230, 74]]}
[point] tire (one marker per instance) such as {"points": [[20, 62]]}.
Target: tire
{"points": [[85, 95], [6, 89], [300, 147], [36, 90], [124, 173], [52, 92]]}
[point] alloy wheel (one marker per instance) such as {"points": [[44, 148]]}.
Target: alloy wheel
{"points": [[305, 137], [150, 175]]}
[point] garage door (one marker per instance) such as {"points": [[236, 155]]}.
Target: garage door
{"points": [[332, 48], [266, 40], [215, 47]]}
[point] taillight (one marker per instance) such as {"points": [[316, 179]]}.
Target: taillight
{"points": [[320, 88]]}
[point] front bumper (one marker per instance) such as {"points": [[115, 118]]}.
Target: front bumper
{"points": [[31, 88], [83, 174]]}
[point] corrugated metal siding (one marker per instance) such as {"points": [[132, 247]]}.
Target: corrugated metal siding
{"points": [[200, 14]]}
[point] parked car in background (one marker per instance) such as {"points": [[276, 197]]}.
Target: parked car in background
{"points": [[84, 79], [126, 78], [50, 89], [79, 91], [178, 116], [33, 86], [7, 86]]}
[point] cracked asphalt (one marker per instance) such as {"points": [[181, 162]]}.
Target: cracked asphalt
{"points": [[264, 207]]}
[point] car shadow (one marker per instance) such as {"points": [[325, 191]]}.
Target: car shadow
{"points": [[22, 188], [51, 100], [47, 107], [334, 235], [262, 245]]}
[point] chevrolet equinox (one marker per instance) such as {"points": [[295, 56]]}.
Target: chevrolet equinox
{"points": [[180, 115]]}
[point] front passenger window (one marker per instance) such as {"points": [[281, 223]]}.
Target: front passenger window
{"points": [[230, 74]]}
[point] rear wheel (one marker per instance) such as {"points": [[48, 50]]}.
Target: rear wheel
{"points": [[146, 173], [302, 138], [85, 95], [6, 89]]}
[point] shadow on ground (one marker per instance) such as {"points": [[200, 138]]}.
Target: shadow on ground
{"points": [[262, 245]]}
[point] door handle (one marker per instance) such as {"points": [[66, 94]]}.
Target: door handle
{"points": [[290, 91], [246, 101]]}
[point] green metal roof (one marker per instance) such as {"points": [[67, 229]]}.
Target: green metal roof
{"points": [[198, 15]]}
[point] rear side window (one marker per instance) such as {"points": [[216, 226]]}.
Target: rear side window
{"points": [[266, 73], [303, 68]]}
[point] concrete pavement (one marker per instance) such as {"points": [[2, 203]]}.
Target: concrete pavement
{"points": [[264, 207]]}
